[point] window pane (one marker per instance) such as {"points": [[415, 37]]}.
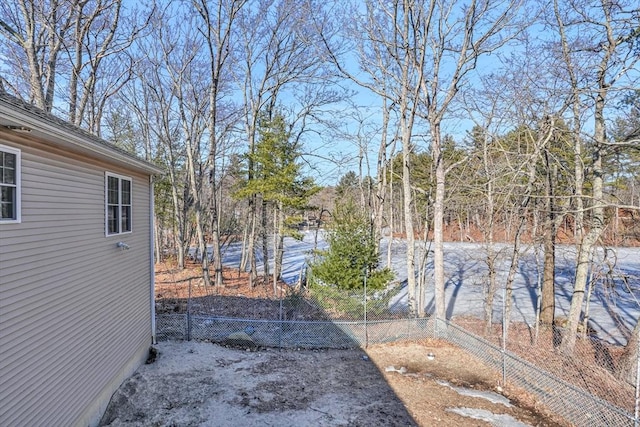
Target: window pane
{"points": [[7, 202], [7, 168], [8, 186], [126, 192], [9, 160], [7, 193], [7, 210], [119, 200], [126, 219], [112, 220], [112, 191]]}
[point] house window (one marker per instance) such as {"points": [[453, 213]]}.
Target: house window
{"points": [[118, 203], [9, 184]]}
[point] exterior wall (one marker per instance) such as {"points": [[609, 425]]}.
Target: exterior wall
{"points": [[75, 310]]}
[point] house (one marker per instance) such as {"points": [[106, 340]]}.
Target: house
{"points": [[76, 269]]}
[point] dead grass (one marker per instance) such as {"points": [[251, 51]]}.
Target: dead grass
{"points": [[235, 299], [591, 367]]}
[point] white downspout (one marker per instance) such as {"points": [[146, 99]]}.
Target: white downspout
{"points": [[152, 230]]}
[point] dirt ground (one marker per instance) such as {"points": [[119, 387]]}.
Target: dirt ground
{"points": [[204, 384], [426, 383]]}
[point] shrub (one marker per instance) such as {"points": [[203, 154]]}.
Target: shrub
{"points": [[352, 253]]}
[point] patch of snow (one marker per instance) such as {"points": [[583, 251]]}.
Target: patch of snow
{"points": [[497, 420], [401, 370], [487, 395]]}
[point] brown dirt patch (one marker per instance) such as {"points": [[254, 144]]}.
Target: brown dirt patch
{"points": [[235, 299], [428, 401], [592, 366]]}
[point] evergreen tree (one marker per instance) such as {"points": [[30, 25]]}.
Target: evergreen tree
{"points": [[348, 185], [279, 182], [352, 252]]}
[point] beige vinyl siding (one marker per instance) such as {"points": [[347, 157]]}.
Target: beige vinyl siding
{"points": [[75, 316]]}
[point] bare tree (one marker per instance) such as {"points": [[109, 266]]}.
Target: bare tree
{"points": [[98, 40], [278, 59], [186, 69], [75, 51], [383, 39], [453, 48], [218, 28], [418, 54], [167, 101], [522, 94], [606, 32], [42, 31]]}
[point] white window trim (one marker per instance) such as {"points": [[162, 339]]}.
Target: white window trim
{"points": [[106, 203], [18, 155]]}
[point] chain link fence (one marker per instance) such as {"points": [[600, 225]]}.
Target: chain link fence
{"points": [[578, 405], [587, 388], [291, 334]]}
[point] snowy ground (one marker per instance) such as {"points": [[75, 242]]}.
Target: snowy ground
{"points": [[614, 307]]}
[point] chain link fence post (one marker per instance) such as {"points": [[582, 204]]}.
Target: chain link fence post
{"points": [[366, 332], [504, 336], [189, 313], [280, 321], [636, 422]]}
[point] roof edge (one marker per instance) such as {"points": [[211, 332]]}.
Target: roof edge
{"points": [[16, 113]]}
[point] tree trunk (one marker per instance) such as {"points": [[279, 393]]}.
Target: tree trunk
{"points": [[202, 244], [408, 222], [265, 242], [597, 215], [491, 285], [279, 247], [548, 304], [540, 141], [215, 239], [579, 287], [156, 240], [178, 225], [438, 223], [251, 250], [244, 258], [422, 270], [195, 183], [513, 267], [391, 218]]}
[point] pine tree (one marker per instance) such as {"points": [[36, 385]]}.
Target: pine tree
{"points": [[279, 182], [352, 252]]}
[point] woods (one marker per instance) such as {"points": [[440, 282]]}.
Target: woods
{"points": [[498, 122]]}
